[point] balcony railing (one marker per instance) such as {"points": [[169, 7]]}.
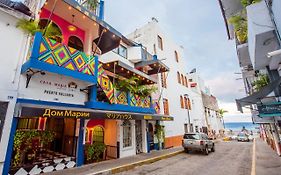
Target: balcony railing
{"points": [[86, 5]]}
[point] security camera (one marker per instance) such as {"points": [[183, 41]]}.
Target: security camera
{"points": [[274, 53]]}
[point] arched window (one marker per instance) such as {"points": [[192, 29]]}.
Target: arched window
{"points": [[179, 78], [176, 56], [182, 79], [188, 104], [98, 134], [53, 31], [185, 103], [186, 83], [181, 101], [75, 43]]}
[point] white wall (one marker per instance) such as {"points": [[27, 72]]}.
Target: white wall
{"points": [[147, 36], [276, 6], [13, 47]]}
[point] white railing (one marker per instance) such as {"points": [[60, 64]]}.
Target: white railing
{"points": [[87, 5]]}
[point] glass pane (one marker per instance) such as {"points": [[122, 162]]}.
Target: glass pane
{"points": [[123, 51]]}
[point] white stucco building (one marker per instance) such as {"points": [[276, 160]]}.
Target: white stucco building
{"points": [[177, 96], [12, 54]]}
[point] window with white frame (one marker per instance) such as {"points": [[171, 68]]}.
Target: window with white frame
{"points": [[121, 50], [127, 134]]}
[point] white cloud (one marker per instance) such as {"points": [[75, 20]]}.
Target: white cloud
{"points": [[226, 87]]}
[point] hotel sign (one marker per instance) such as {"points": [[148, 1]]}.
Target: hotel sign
{"points": [[270, 110], [90, 114]]}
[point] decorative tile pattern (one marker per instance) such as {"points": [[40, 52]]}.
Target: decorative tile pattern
{"points": [[121, 97], [55, 53], [56, 165], [156, 106]]}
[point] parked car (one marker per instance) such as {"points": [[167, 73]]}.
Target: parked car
{"points": [[243, 137], [198, 142]]}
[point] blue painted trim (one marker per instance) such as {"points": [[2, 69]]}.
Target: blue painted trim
{"points": [[93, 93], [47, 103], [80, 151], [129, 98], [101, 14], [36, 64], [36, 45], [119, 107], [9, 151], [96, 73]]}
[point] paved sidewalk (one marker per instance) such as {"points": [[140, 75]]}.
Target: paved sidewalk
{"points": [[267, 160], [118, 165]]}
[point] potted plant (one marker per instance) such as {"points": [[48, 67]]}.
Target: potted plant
{"points": [[95, 151], [261, 81], [240, 27]]}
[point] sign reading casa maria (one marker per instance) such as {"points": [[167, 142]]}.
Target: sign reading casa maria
{"points": [[53, 87]]}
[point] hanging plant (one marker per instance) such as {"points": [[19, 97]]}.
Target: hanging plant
{"points": [[240, 27], [261, 81], [30, 27], [245, 3], [93, 4], [23, 141]]}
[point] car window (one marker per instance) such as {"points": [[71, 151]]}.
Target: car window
{"points": [[191, 136], [204, 136]]}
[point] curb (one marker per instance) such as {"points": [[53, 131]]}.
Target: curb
{"points": [[135, 164]]}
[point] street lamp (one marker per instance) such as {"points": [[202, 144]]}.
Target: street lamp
{"points": [[189, 127]]}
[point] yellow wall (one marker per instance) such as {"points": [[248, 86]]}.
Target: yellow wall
{"points": [[110, 132]]}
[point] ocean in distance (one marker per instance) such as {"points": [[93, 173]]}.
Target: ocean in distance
{"points": [[237, 126]]}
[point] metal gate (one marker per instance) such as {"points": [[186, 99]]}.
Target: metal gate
{"points": [[138, 137]]}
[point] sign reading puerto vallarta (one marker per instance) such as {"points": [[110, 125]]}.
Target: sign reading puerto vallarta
{"points": [[269, 110], [57, 88]]}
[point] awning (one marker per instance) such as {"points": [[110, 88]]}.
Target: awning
{"points": [[156, 66], [257, 96], [120, 68], [85, 113]]}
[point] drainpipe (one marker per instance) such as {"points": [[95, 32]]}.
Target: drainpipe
{"points": [[101, 14]]}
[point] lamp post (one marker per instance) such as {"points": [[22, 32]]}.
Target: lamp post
{"points": [[188, 115]]}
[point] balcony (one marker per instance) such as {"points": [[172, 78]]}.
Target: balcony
{"points": [[243, 56], [261, 35], [49, 56], [89, 7]]}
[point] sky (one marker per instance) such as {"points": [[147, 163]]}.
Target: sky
{"points": [[199, 27]]}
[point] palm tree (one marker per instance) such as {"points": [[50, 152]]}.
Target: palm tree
{"points": [[221, 113]]}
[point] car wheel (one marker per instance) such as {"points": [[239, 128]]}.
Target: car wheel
{"points": [[186, 150], [206, 150], [213, 148]]}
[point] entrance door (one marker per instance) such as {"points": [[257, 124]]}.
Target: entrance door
{"points": [[138, 137]]}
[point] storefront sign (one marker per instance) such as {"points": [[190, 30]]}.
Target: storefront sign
{"points": [[58, 88], [261, 120], [270, 110], [90, 114]]}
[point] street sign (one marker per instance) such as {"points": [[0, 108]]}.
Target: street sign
{"points": [[270, 110]]}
